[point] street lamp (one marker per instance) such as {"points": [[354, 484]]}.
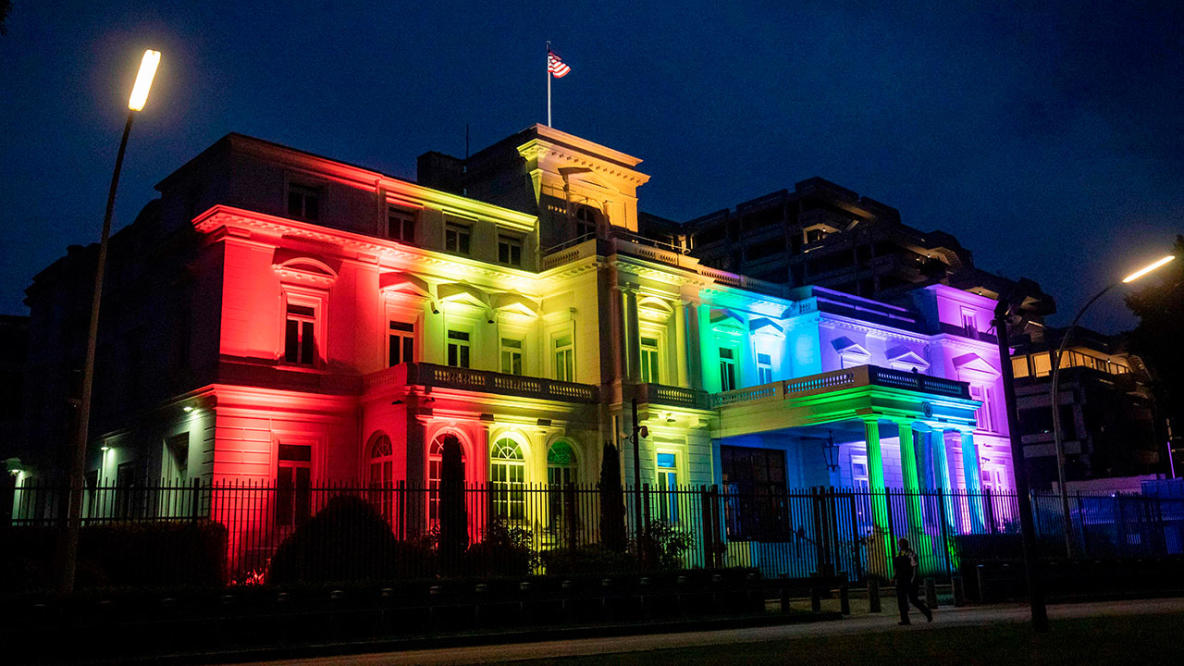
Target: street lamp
{"points": [[139, 96], [1054, 393]]}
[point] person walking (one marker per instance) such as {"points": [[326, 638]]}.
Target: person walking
{"points": [[906, 566]]}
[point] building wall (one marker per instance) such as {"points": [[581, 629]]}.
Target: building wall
{"points": [[251, 260]]}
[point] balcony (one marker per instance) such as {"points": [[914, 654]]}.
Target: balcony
{"points": [[864, 375], [671, 396], [481, 381]]}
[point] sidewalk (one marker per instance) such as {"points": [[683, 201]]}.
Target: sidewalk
{"points": [[859, 623]]}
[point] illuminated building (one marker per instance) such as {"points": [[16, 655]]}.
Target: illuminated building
{"points": [[282, 317]]}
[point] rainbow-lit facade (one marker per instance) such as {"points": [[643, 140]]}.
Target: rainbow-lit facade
{"points": [[341, 322]]}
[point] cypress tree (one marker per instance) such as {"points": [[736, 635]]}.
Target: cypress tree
{"points": [[454, 529], [612, 501]]}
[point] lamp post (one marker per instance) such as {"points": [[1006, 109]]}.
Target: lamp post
{"points": [[1054, 394], [139, 96], [639, 431]]}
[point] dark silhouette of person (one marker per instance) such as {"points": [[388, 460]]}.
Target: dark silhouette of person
{"points": [[905, 565]]}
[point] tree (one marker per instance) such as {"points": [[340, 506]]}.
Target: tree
{"points": [[612, 501], [1160, 309], [5, 10], [454, 522]]}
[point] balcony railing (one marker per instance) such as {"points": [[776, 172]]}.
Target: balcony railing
{"points": [[674, 396], [864, 375], [483, 381]]}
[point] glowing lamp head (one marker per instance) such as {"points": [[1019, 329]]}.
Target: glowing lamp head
{"points": [[1147, 269], [187, 408], [144, 80]]}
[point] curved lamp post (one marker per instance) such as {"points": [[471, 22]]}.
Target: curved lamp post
{"points": [[139, 96], [1054, 393]]}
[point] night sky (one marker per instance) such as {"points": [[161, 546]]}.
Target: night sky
{"points": [[1049, 140]]}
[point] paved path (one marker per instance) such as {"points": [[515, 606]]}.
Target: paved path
{"points": [[858, 624]]}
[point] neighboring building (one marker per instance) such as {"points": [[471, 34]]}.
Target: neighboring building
{"points": [[823, 234], [1107, 410], [14, 340], [284, 318]]}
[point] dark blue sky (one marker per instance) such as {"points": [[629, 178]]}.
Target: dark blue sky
{"points": [[1049, 140]]}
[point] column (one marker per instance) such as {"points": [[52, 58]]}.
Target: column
{"points": [[908, 468], [708, 353], [694, 358], [924, 459], [875, 482], [970, 471], [941, 473], [632, 336], [680, 348]]}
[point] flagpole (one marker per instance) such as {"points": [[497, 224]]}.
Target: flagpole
{"points": [[548, 71]]}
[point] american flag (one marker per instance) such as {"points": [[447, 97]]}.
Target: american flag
{"points": [[555, 66]]}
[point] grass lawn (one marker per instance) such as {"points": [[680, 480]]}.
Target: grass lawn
{"points": [[1148, 639]]}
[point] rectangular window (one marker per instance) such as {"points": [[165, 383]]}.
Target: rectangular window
{"points": [[969, 322], [727, 369], [649, 361], [456, 237], [667, 487], [564, 358], [400, 224], [758, 510], [1041, 366], [511, 356], [509, 250], [861, 485], [982, 415], [458, 349], [303, 202], [764, 368], [176, 456], [293, 495], [127, 491], [1019, 367], [401, 343], [299, 339]]}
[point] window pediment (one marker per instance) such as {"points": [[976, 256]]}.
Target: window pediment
{"points": [[727, 321], [973, 364], [765, 326], [851, 350], [459, 292], [303, 269], [515, 303], [903, 358], [395, 283]]}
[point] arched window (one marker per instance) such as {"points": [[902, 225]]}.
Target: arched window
{"points": [[561, 464], [435, 473], [382, 462], [561, 472], [382, 468], [507, 472]]}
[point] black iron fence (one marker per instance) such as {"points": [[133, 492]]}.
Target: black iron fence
{"points": [[284, 532]]}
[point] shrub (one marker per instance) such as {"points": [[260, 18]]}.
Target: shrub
{"points": [[347, 541], [132, 554], [662, 545], [595, 558], [503, 551]]}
